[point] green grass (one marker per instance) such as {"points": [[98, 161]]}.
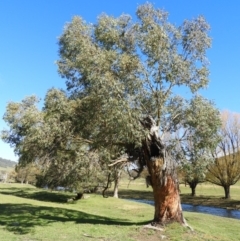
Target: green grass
{"points": [[212, 195], [7, 169], [30, 214], [208, 189]]}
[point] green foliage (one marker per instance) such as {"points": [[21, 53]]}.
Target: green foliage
{"points": [[49, 141], [21, 118], [122, 70], [26, 173], [196, 140]]}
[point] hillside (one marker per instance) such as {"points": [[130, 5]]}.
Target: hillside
{"points": [[6, 163]]}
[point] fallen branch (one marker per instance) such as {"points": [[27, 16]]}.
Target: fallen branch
{"points": [[153, 227]]}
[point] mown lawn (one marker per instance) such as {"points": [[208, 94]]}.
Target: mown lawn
{"points": [[30, 214]]}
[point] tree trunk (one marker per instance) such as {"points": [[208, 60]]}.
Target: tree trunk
{"points": [[164, 181], [193, 186], [79, 196], [227, 191], [5, 178], [116, 183], [193, 194], [115, 193], [166, 194]]}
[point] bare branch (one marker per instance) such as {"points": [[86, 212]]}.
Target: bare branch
{"points": [[124, 159]]}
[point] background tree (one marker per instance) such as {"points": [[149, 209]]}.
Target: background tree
{"points": [[192, 154], [124, 76], [225, 171], [193, 172], [12, 176], [26, 173], [3, 176], [21, 118], [49, 139]]}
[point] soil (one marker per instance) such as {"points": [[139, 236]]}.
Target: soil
{"points": [[149, 234]]}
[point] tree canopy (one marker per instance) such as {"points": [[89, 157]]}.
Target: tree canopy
{"points": [[123, 71]]}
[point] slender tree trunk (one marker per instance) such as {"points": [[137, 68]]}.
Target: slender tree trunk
{"points": [[227, 191], [115, 193], [116, 183], [164, 181], [193, 194], [5, 178]]}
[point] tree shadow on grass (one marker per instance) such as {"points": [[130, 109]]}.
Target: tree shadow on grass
{"points": [[62, 197], [135, 194], [38, 194], [22, 218]]}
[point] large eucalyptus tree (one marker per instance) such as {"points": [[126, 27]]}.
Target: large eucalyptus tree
{"points": [[127, 75]]}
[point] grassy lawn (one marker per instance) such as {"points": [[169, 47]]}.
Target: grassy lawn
{"points": [[30, 214]]}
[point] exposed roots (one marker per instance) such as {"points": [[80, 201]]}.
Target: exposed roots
{"points": [[160, 227]]}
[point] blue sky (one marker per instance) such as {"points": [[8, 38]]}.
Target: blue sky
{"points": [[29, 33]]}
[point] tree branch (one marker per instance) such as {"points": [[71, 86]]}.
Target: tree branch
{"points": [[118, 161]]}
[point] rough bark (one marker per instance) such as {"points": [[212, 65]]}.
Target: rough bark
{"points": [[163, 176], [166, 194]]}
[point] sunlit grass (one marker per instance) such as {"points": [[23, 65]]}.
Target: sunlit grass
{"points": [[28, 213], [208, 189], [7, 169]]}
